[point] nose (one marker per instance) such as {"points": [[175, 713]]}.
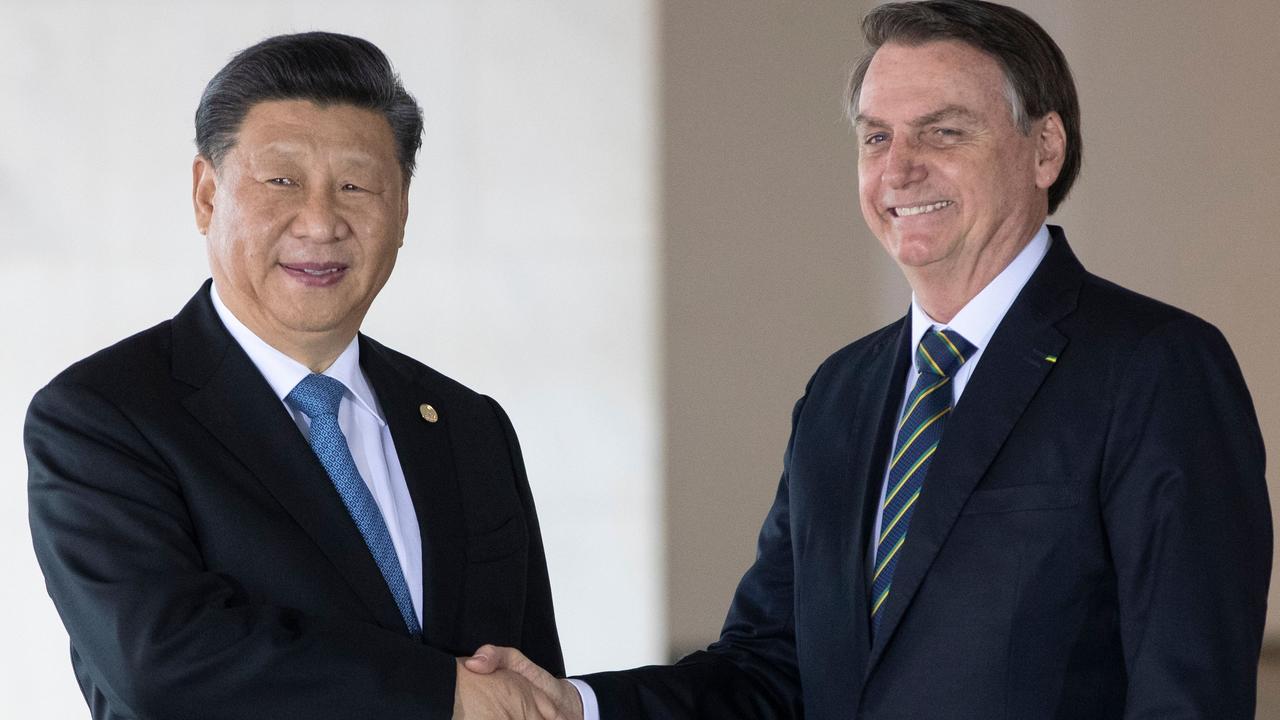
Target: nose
{"points": [[904, 164], [319, 218]]}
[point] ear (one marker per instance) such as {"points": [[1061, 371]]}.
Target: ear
{"points": [[204, 183], [1051, 149]]}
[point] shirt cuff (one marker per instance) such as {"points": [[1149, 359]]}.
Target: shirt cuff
{"points": [[590, 708]]}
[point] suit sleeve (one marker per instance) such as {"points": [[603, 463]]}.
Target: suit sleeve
{"points": [[751, 671], [539, 638], [1186, 511], [162, 636]]}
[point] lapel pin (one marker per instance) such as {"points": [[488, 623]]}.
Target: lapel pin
{"points": [[1051, 358], [428, 413]]}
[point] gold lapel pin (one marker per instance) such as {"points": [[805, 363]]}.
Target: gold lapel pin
{"points": [[428, 413]]}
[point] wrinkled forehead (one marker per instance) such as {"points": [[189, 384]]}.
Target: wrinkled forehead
{"points": [[908, 81], [295, 126]]}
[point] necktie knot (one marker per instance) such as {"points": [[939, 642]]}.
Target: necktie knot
{"points": [[316, 395], [942, 352]]}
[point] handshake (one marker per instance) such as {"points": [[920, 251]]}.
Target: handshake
{"points": [[500, 683]]}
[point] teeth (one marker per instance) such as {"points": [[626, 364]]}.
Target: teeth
{"points": [[921, 209], [320, 272]]}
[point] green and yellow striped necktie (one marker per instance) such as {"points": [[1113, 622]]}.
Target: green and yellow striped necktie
{"points": [[938, 357]]}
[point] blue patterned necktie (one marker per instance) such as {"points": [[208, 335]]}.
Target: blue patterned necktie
{"points": [[318, 396], [938, 357]]}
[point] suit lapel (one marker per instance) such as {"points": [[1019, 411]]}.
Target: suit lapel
{"points": [[1011, 370], [884, 378], [854, 421], [427, 461], [237, 406]]}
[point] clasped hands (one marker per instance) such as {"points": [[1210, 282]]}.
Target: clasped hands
{"points": [[500, 683]]}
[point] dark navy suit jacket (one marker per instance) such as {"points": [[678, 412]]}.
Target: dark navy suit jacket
{"points": [[205, 566], [1093, 540]]}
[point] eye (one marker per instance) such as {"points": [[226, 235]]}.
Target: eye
{"points": [[349, 187], [875, 138], [282, 182], [949, 133]]}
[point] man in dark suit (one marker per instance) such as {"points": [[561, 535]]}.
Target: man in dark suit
{"points": [[1038, 495], [251, 510]]}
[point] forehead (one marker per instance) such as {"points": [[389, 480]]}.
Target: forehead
{"points": [[907, 81], [303, 126]]}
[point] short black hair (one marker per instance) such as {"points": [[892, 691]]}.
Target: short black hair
{"points": [[1036, 72], [325, 68]]}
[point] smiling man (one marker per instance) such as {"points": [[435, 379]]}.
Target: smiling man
{"points": [[252, 510], [1037, 495]]}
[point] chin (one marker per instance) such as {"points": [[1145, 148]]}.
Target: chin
{"points": [[319, 323], [918, 252], [301, 317]]}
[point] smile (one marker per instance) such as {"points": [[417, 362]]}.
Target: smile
{"points": [[312, 268], [316, 274], [920, 209]]}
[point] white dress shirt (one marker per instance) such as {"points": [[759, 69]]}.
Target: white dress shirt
{"points": [[368, 435], [976, 322]]}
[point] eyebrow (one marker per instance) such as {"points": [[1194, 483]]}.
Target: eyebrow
{"points": [[948, 112]]}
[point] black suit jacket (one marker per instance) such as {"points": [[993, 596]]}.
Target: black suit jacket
{"points": [[205, 566], [1093, 540]]}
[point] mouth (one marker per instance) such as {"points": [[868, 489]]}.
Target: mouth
{"points": [[315, 274], [913, 210]]}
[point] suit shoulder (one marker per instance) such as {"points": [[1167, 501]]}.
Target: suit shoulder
{"points": [[116, 387], [1117, 311], [1120, 341], [141, 356], [479, 416], [856, 352], [421, 373]]}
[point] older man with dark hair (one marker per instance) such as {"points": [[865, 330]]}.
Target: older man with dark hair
{"points": [[1037, 495], [254, 511]]}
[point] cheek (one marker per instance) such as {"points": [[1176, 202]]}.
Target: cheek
{"points": [[388, 263], [242, 257], [243, 243], [1017, 169], [260, 222], [867, 190], [382, 231], [1009, 167], [386, 252], [867, 172]]}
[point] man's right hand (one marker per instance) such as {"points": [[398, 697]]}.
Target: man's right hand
{"points": [[500, 695], [498, 660]]}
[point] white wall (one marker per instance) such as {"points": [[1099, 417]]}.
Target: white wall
{"points": [[528, 271]]}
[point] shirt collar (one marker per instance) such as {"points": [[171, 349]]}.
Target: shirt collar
{"points": [[283, 373], [978, 319]]}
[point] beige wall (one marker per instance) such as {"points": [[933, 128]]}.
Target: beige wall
{"points": [[768, 266]]}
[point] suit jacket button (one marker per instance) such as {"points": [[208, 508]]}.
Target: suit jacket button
{"points": [[428, 413]]}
